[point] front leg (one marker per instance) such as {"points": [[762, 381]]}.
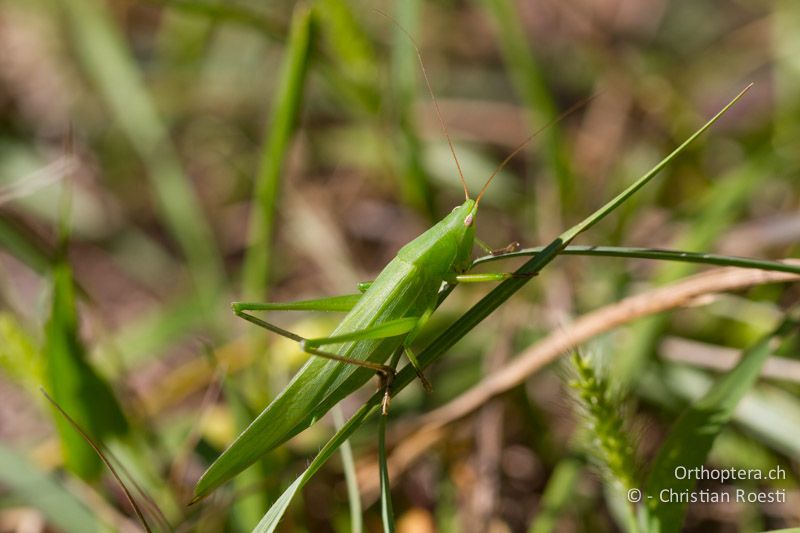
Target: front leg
{"points": [[486, 276]]}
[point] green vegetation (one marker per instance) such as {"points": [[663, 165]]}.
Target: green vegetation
{"points": [[213, 152]]}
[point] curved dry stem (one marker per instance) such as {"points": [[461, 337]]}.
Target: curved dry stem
{"points": [[418, 436]]}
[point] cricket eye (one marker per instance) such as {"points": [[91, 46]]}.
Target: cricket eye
{"points": [[468, 220]]}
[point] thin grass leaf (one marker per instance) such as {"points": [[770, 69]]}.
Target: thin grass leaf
{"points": [[786, 42], [102, 456], [506, 289], [769, 413], [60, 506], [350, 477], [273, 516], [227, 13], [282, 123], [656, 254], [75, 385], [111, 67], [414, 180], [436, 349], [356, 67], [24, 245], [182, 41], [387, 511], [641, 182], [530, 83], [247, 508], [558, 495], [20, 356], [699, 425], [716, 211]]}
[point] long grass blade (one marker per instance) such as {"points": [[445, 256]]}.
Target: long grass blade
{"points": [[60, 506], [387, 510], [350, 477], [641, 182], [270, 521], [699, 425], [283, 119], [558, 495], [530, 83], [655, 254], [102, 457], [24, 245], [226, 12], [112, 69], [716, 210], [74, 383], [506, 289], [415, 186]]}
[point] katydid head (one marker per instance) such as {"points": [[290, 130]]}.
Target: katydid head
{"points": [[462, 224], [447, 246]]}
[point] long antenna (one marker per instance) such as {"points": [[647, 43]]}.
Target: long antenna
{"points": [[442, 123], [524, 143]]}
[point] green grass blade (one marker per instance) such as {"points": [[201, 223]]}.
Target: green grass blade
{"points": [[282, 123], [530, 83], [273, 516], [715, 211], [770, 414], [356, 67], [699, 425], [656, 254], [249, 506], [641, 182], [350, 477], [270, 520], [783, 21], [20, 356], [24, 245], [558, 495], [405, 68], [60, 506], [226, 12], [75, 385], [111, 67], [387, 511]]}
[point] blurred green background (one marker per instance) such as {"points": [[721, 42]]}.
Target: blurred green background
{"points": [[192, 153]]}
